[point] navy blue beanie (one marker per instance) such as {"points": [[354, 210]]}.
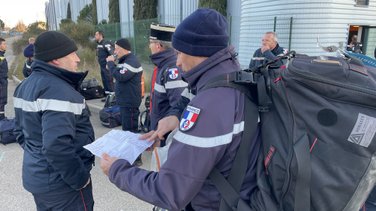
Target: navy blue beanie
{"points": [[29, 51], [202, 33]]}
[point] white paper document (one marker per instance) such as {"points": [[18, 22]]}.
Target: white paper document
{"points": [[121, 144]]}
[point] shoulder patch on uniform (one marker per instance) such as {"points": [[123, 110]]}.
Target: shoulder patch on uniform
{"points": [[123, 70], [173, 73], [189, 118]]}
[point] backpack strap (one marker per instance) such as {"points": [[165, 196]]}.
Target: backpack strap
{"points": [[230, 188]]}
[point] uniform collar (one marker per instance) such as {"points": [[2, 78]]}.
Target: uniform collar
{"points": [[164, 57], [73, 78]]}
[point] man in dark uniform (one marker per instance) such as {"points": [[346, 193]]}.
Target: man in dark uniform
{"points": [[268, 51], [3, 78], [29, 54], [210, 128], [167, 84], [127, 73], [53, 125], [104, 49]]}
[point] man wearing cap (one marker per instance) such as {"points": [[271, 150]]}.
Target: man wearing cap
{"points": [[29, 54], [210, 129], [167, 84], [127, 73], [3, 78], [104, 49], [53, 125]]}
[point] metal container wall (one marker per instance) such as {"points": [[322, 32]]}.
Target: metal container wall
{"points": [[328, 19], [56, 10], [102, 10], [233, 17], [126, 18], [76, 6], [172, 12]]}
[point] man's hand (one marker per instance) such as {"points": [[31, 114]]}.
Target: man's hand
{"points": [[264, 48], [165, 125], [110, 58], [106, 163]]}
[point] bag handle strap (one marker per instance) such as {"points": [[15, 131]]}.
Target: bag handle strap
{"points": [[230, 188]]}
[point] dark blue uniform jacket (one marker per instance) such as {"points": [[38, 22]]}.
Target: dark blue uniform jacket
{"points": [[53, 125]]}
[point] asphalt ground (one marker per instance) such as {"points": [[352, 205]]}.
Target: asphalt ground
{"points": [[13, 197]]}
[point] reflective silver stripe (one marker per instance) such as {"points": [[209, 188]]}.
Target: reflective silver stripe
{"points": [[159, 88], [99, 46], [28, 66], [207, 142], [258, 58], [130, 68], [187, 94], [280, 54], [175, 84], [47, 104]]}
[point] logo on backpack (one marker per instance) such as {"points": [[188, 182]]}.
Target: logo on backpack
{"points": [[189, 118]]}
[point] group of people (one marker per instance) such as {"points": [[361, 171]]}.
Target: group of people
{"points": [[53, 124]]}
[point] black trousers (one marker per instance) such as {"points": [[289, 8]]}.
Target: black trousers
{"points": [[107, 80], [81, 200], [129, 118]]}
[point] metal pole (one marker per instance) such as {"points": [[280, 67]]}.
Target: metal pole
{"points": [[290, 34], [275, 23], [181, 11]]}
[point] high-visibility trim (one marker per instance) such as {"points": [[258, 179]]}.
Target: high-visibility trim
{"points": [[207, 142], [28, 66], [175, 84], [258, 58], [159, 88], [48, 105], [187, 94], [130, 68]]}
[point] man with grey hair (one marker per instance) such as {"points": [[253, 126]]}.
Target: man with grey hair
{"points": [[268, 51]]}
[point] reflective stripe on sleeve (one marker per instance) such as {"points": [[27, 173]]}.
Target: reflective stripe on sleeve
{"points": [[187, 94], [175, 84], [207, 142], [48, 105], [159, 88], [130, 68]]}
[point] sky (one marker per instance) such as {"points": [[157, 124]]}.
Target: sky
{"points": [[27, 11]]}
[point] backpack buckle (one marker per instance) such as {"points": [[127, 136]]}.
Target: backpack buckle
{"points": [[245, 77]]}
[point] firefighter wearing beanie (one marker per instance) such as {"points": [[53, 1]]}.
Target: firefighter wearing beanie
{"points": [[210, 128], [53, 124], [127, 72]]}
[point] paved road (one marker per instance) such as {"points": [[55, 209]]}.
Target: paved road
{"points": [[14, 198]]}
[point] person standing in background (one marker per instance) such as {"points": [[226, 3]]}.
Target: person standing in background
{"points": [[167, 84], [29, 54], [269, 51], [128, 74], [104, 49], [3, 78]]}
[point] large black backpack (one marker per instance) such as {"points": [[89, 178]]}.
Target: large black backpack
{"points": [[109, 115], [318, 124], [91, 89]]}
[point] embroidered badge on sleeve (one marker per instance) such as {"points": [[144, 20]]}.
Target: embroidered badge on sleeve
{"points": [[189, 118], [173, 73]]}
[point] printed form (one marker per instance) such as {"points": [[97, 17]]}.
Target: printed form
{"points": [[121, 144]]}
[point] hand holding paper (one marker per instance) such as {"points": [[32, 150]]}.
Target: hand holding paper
{"points": [[121, 144]]}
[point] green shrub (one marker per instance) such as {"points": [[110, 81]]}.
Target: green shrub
{"points": [[80, 32]]}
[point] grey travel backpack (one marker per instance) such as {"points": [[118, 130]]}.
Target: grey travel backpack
{"points": [[318, 125]]}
